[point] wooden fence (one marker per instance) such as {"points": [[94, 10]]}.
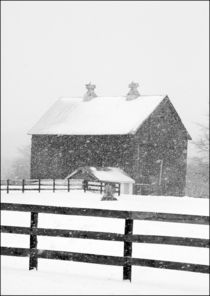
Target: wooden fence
{"points": [[100, 186], [54, 185], [127, 261], [149, 189]]}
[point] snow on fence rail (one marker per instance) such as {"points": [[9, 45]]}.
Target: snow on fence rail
{"points": [[54, 185], [128, 238]]}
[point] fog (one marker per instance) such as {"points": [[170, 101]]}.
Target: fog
{"points": [[52, 49]]}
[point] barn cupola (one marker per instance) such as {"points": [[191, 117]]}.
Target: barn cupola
{"points": [[90, 94], [133, 92]]}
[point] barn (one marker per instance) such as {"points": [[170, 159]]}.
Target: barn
{"points": [[140, 134]]}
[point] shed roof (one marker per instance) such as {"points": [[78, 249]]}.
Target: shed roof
{"points": [[105, 174], [98, 116]]}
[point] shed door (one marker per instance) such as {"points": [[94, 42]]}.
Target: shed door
{"points": [[126, 188]]}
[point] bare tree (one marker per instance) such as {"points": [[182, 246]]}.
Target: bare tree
{"points": [[202, 144], [198, 167], [20, 166]]}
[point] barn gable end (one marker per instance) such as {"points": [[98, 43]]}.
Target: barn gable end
{"points": [[162, 138]]}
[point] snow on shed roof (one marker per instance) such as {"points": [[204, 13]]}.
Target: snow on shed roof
{"points": [[107, 174], [99, 116]]}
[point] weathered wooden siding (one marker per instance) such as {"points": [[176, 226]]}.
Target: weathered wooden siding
{"points": [[58, 156], [162, 137]]}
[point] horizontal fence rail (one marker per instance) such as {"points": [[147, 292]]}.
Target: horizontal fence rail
{"points": [[152, 216], [105, 259], [150, 239], [127, 261], [54, 185]]}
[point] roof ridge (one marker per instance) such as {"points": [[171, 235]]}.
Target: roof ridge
{"points": [[111, 97]]}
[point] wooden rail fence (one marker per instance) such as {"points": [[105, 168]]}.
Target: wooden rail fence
{"points": [[53, 185], [100, 186], [127, 261]]}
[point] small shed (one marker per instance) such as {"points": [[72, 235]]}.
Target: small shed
{"points": [[106, 175]]}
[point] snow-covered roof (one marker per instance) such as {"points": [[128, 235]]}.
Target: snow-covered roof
{"points": [[98, 116], [106, 174]]}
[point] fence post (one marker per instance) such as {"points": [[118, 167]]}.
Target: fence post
{"points": [[39, 185], [101, 188], [68, 185], [7, 185], [127, 250], [33, 260], [84, 184], [53, 185], [140, 190], [23, 185], [119, 189]]}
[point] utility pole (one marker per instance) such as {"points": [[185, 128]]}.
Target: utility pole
{"points": [[161, 170]]}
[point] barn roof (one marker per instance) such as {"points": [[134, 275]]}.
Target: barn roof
{"points": [[105, 174], [99, 116]]}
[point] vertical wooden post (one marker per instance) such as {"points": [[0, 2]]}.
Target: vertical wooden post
{"points": [[39, 185], [8, 186], [127, 250], [53, 185], [33, 260], [119, 189], [101, 187], [68, 185], [140, 190], [85, 185], [23, 185]]}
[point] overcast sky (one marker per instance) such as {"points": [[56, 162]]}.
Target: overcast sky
{"points": [[52, 49]]}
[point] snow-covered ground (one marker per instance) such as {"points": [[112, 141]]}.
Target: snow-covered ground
{"points": [[65, 277]]}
